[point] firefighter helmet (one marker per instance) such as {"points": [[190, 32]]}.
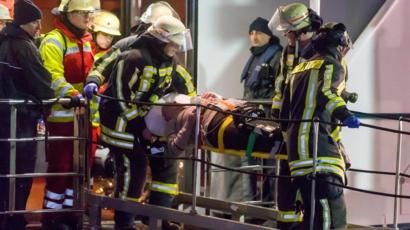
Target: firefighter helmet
{"points": [[106, 22], [4, 13], [292, 17], [169, 29], [79, 5], [156, 10]]}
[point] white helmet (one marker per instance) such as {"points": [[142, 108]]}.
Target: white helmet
{"points": [[79, 5], [4, 13], [156, 10], [106, 22], [169, 29]]}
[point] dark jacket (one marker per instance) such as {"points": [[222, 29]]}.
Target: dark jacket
{"points": [[260, 71], [22, 74], [312, 92]]}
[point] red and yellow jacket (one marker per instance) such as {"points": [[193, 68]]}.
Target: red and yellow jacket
{"points": [[69, 60]]}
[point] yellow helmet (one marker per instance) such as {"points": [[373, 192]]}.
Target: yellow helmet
{"points": [[106, 22], [156, 10], [79, 5], [4, 13]]}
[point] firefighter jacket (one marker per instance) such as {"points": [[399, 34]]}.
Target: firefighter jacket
{"points": [[312, 91], [104, 64], [22, 75], [145, 74], [260, 71], [68, 59]]}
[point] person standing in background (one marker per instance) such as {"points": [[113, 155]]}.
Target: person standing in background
{"points": [[23, 77]]}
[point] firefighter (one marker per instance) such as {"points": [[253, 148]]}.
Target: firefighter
{"points": [[67, 54], [103, 66], [299, 24], [143, 73], [22, 77], [314, 91], [4, 16], [106, 26]]}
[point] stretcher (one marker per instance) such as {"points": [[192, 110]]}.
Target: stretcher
{"points": [[237, 135]]}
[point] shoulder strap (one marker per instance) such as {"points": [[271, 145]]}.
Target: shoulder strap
{"points": [[65, 41]]}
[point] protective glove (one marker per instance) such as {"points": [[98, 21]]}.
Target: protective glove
{"points": [[90, 89], [352, 122], [75, 101]]}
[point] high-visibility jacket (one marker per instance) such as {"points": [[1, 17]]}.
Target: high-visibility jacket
{"points": [[312, 92], [69, 60]]}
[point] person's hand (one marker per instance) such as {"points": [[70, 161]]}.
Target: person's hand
{"points": [[75, 101], [352, 122], [147, 135], [90, 89], [210, 94]]}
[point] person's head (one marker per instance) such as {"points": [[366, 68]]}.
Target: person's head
{"points": [[174, 33], [333, 35], [157, 10], [28, 17], [4, 16], [106, 26], [79, 12], [151, 14], [296, 21], [259, 32]]}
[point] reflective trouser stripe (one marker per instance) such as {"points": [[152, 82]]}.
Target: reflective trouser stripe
{"points": [[68, 202], [54, 196], [326, 214], [69, 192], [171, 189], [52, 205], [289, 216]]}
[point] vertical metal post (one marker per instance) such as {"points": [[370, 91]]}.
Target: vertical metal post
{"points": [[76, 161], [277, 168], [192, 24], [194, 156], [397, 180], [313, 191], [12, 163]]}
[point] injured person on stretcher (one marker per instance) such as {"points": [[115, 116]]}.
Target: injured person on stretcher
{"points": [[221, 130]]}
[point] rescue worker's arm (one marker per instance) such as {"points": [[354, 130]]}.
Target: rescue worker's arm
{"points": [[34, 72], [286, 65], [102, 68], [179, 141], [182, 82], [333, 76], [52, 52]]}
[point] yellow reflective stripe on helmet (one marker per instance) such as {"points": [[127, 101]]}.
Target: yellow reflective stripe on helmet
{"points": [[221, 131], [118, 135], [158, 186], [310, 106], [289, 216], [326, 215], [187, 78], [304, 66]]}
